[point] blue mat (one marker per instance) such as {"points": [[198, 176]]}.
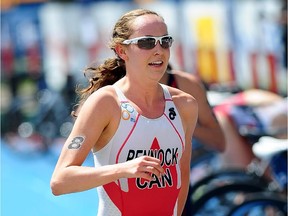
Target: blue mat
{"points": [[25, 188]]}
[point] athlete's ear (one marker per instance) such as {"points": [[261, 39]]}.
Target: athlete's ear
{"points": [[121, 51]]}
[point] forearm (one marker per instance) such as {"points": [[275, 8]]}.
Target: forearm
{"points": [[79, 178], [74, 178], [212, 137]]}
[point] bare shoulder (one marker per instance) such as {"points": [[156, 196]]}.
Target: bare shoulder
{"points": [[98, 117], [185, 76], [189, 83], [103, 94], [187, 106], [183, 100], [104, 100]]}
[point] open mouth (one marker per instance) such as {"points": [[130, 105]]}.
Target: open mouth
{"points": [[156, 63]]}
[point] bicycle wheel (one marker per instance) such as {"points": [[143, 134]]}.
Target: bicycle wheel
{"points": [[261, 204], [203, 163], [220, 197], [221, 176]]}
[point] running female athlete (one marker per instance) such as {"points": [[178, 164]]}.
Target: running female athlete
{"points": [[139, 130]]}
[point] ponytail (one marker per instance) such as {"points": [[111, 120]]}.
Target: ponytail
{"points": [[105, 74]]}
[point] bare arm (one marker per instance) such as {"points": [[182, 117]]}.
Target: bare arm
{"points": [[95, 125], [208, 129], [188, 109]]}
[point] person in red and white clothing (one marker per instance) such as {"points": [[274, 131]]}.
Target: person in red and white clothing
{"points": [[139, 130]]}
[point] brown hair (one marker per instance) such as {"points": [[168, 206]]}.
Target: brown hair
{"points": [[112, 69]]}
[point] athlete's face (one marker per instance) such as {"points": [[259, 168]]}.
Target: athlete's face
{"points": [[146, 60]]}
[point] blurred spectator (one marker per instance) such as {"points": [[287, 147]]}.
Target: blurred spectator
{"points": [[247, 116], [208, 130]]}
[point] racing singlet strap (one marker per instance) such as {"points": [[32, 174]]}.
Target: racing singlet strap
{"points": [[136, 136]]}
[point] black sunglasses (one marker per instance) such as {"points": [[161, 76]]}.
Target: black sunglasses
{"points": [[149, 42]]}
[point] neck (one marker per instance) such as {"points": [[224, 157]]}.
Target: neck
{"points": [[164, 79]]}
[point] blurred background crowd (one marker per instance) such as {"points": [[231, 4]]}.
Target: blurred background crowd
{"points": [[231, 45]]}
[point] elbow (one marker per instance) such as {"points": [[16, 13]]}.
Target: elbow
{"points": [[220, 143], [221, 147], [56, 187]]}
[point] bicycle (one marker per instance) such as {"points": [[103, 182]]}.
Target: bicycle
{"points": [[222, 191], [230, 192], [268, 202], [264, 203]]}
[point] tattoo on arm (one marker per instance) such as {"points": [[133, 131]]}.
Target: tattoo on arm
{"points": [[76, 142]]}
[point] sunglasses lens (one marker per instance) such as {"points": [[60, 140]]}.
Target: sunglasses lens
{"points": [[146, 43], [149, 43], [166, 42]]}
